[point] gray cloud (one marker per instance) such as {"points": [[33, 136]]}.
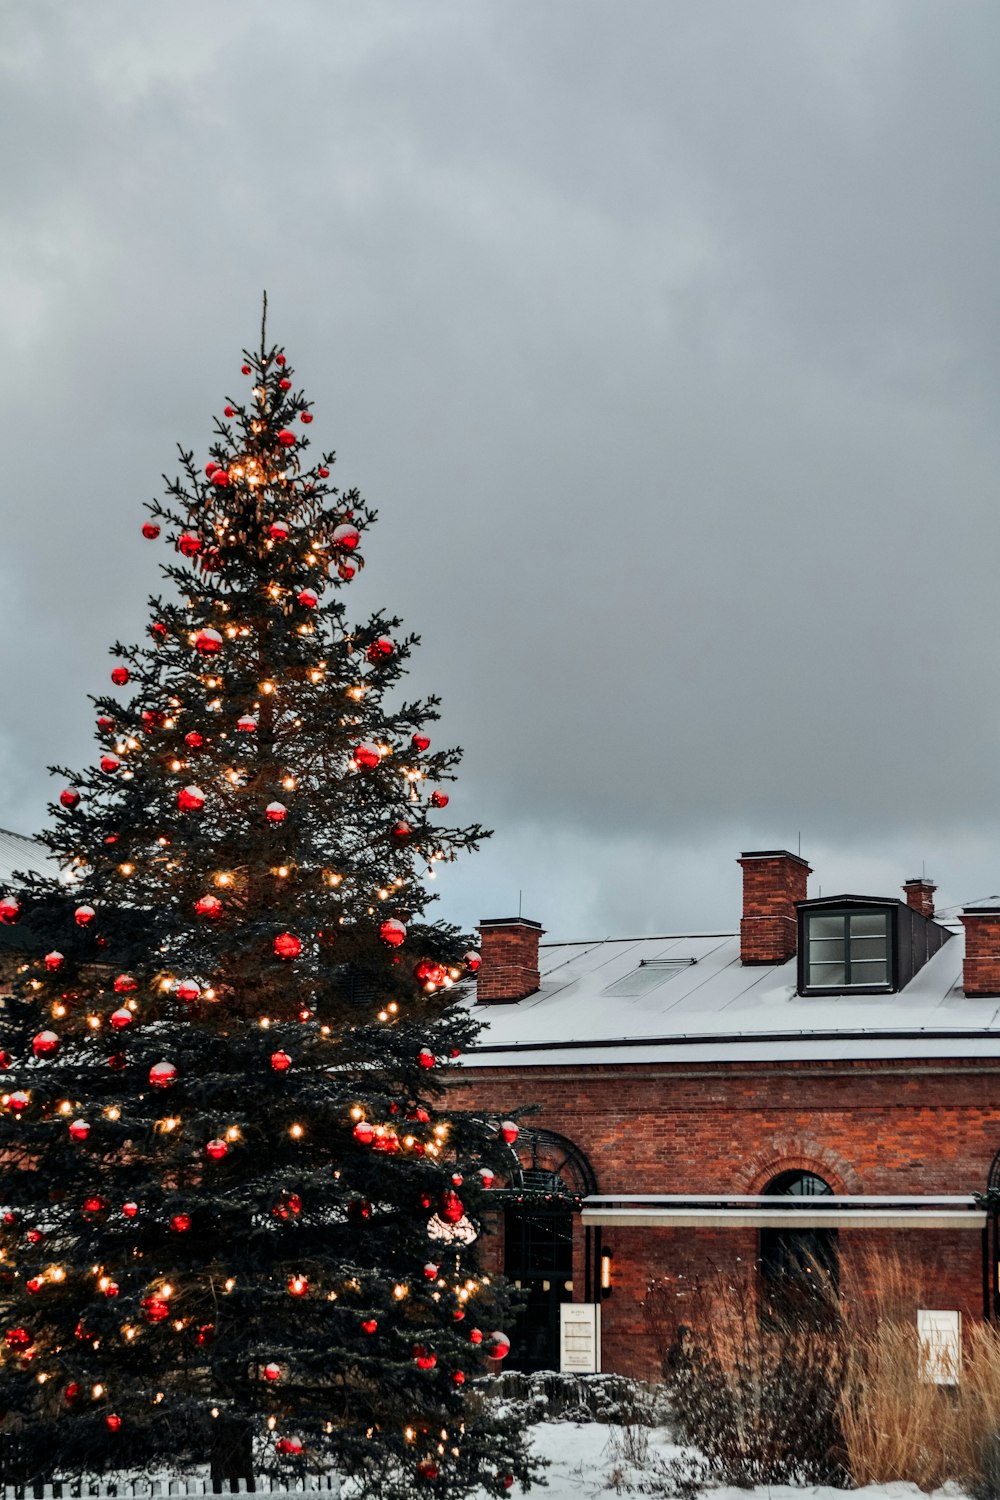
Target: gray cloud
{"points": [[664, 337]]}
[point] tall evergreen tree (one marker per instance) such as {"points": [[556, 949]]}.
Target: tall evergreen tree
{"points": [[237, 1222]]}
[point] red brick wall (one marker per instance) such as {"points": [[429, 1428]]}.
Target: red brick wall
{"points": [[772, 883], [981, 969], [509, 968], [866, 1127]]}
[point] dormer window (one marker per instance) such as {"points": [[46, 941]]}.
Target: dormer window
{"points": [[848, 950]]}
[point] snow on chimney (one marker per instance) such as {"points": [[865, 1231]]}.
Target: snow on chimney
{"points": [[920, 895], [981, 970], [773, 880], [509, 969]]}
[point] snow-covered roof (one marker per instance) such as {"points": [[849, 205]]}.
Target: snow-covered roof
{"points": [[20, 853], [703, 1005]]}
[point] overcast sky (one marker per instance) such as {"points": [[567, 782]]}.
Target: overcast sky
{"points": [[666, 339]]}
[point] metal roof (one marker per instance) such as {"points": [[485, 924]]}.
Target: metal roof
{"points": [[718, 1008]]}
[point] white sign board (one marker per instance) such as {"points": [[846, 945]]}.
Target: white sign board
{"points": [[580, 1338], [940, 1335]]}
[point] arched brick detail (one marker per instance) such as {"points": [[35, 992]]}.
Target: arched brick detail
{"points": [[798, 1153]]}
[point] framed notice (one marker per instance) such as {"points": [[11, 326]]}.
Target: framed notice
{"points": [[580, 1338], [940, 1335]]}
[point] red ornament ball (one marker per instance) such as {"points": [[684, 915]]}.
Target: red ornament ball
{"points": [[424, 1359], [308, 598], [120, 676], [439, 799], [278, 531], [217, 1149], [298, 1286], [229, 411], [159, 630], [288, 1447], [280, 1062], [286, 945], [279, 359], [426, 1058], [306, 417], [208, 642], [162, 1075], [153, 718], [286, 438], [428, 1469], [5, 1059], [487, 1176], [103, 722], [190, 799], [54, 961], [276, 812], [17, 1102], [244, 369], [429, 971], [150, 530], [45, 1044], [430, 1270], [121, 1018], [124, 984], [69, 798], [284, 384], [323, 473], [34, 1286], [369, 1325], [272, 1372], [130, 1210], [110, 763], [209, 907], [246, 724], [220, 478], [180, 1223], [194, 740], [421, 742], [346, 568], [393, 932], [475, 1336], [18, 1338], [364, 1132], [509, 1131], [156, 1309], [188, 990], [472, 960], [401, 830], [346, 536], [84, 915], [79, 1130], [366, 755], [458, 1377], [380, 649], [450, 1207], [497, 1345], [189, 544]]}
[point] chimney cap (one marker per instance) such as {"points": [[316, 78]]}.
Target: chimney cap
{"points": [[921, 880], [982, 910], [509, 922], [772, 854]]}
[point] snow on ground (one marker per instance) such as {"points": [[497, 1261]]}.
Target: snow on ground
{"points": [[584, 1462]]}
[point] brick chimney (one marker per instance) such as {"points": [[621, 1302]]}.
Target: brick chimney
{"points": [[981, 970], [773, 880], [509, 950], [920, 895]]}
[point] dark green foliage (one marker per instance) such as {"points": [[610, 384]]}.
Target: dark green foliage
{"points": [[228, 1236]]}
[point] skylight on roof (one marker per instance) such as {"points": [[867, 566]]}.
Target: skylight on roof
{"points": [[651, 973]]}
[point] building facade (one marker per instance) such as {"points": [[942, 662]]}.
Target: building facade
{"points": [[819, 1084]]}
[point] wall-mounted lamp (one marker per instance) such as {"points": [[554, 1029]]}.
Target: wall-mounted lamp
{"points": [[605, 1273]]}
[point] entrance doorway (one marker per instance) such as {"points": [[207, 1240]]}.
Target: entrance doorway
{"points": [[799, 1268]]}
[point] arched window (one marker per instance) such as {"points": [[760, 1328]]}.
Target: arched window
{"points": [[799, 1267], [548, 1172]]}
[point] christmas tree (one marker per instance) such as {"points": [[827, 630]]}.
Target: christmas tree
{"points": [[237, 1225]]}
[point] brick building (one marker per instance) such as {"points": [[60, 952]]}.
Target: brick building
{"points": [[824, 1079]]}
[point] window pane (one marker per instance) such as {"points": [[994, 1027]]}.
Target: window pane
{"points": [[827, 974], [867, 947], [826, 950], [867, 923], [869, 973], [826, 927]]}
